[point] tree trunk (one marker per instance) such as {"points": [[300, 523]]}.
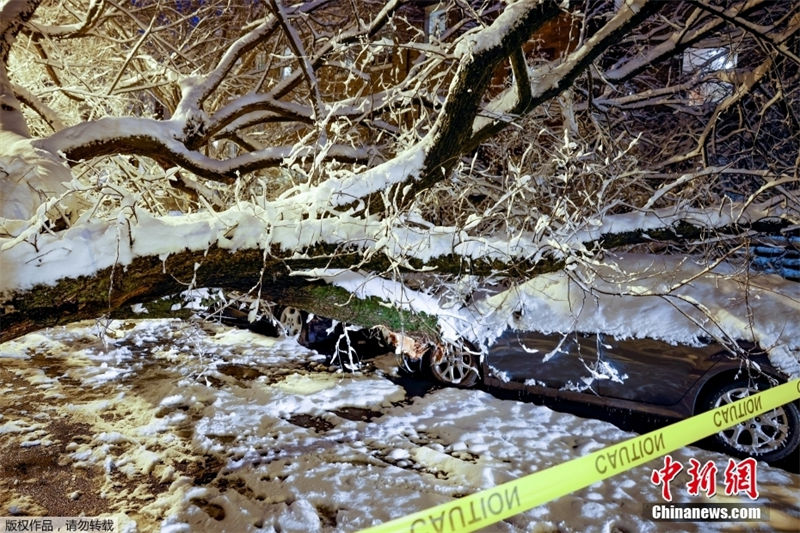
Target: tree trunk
{"points": [[149, 278]]}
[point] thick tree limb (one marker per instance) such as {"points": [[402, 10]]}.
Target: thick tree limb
{"points": [[270, 275], [13, 14], [148, 278], [156, 139]]}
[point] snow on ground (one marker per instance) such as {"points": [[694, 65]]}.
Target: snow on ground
{"points": [[191, 426]]}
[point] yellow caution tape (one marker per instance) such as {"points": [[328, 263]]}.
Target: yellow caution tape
{"points": [[493, 505]]}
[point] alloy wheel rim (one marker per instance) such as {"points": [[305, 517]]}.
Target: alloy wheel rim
{"points": [[291, 320], [453, 368], [759, 435]]}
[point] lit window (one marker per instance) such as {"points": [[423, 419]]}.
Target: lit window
{"points": [[435, 24]]}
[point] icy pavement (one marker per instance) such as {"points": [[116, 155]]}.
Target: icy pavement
{"points": [[192, 426]]}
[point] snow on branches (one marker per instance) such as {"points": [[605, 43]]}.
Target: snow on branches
{"points": [[492, 139]]}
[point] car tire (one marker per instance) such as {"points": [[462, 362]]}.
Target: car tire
{"points": [[457, 366], [292, 321], [770, 436]]}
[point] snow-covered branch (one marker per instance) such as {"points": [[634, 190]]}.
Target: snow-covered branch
{"points": [[196, 89], [550, 80], [502, 140], [76, 29], [48, 114], [159, 140]]}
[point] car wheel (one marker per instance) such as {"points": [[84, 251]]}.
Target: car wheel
{"points": [[291, 320], [454, 366], [770, 436]]}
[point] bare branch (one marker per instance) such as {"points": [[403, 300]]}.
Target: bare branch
{"points": [[747, 82], [300, 53], [78, 29], [761, 32], [677, 42]]}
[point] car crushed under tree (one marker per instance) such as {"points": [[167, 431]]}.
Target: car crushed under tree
{"points": [[645, 376]]}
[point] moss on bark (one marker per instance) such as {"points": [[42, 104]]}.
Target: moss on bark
{"points": [[335, 302]]}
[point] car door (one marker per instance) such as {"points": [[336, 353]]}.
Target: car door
{"points": [[555, 361], [652, 371]]}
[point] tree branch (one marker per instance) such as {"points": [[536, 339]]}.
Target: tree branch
{"points": [[48, 114], [452, 138], [157, 140], [196, 90], [78, 29], [149, 277]]}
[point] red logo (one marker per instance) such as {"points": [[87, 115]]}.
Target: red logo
{"points": [[665, 475], [739, 477]]}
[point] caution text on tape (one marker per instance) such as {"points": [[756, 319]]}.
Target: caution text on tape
{"points": [[489, 506]]}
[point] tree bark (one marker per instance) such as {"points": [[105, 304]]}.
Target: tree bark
{"points": [[270, 277], [148, 278], [13, 14]]}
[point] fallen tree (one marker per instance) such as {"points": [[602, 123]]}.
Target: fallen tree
{"points": [[248, 148]]}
